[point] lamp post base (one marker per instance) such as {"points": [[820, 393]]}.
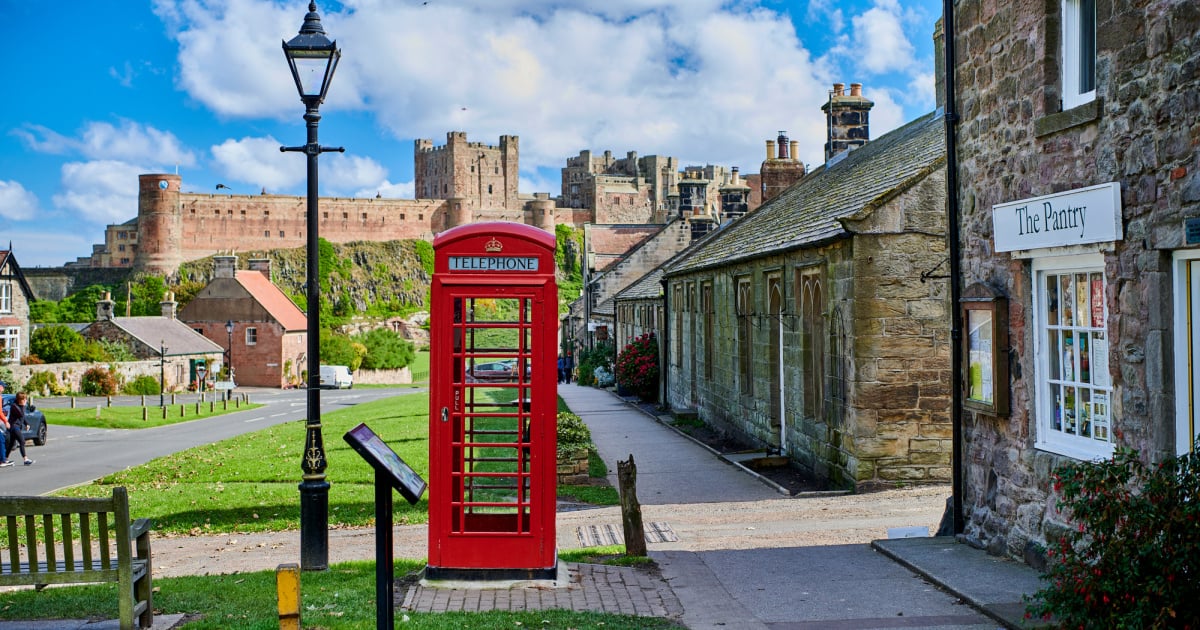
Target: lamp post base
{"points": [[314, 528]]}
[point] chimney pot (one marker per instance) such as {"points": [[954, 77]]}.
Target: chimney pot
{"points": [[770, 149], [855, 89], [837, 88], [795, 149]]}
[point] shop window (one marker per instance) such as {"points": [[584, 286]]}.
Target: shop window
{"points": [[251, 336], [1074, 402], [1079, 52]]}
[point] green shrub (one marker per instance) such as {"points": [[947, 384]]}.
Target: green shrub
{"points": [[44, 382], [1133, 558], [589, 359], [144, 385], [573, 434], [386, 350], [637, 367], [98, 381], [56, 344]]}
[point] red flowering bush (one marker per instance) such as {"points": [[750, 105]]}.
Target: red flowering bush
{"points": [[1133, 558], [637, 367]]}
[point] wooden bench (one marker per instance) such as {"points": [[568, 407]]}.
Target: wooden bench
{"points": [[61, 540]]}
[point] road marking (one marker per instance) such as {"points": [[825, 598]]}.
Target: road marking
{"points": [[256, 419]]}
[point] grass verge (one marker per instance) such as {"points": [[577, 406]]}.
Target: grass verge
{"points": [[131, 417], [341, 598]]}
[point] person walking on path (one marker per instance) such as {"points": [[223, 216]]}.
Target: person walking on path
{"points": [[4, 430], [17, 425]]}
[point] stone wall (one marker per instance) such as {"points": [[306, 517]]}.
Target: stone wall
{"points": [[1016, 142], [402, 376], [70, 375]]}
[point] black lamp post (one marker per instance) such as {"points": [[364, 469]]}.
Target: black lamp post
{"points": [[162, 373], [229, 354], [313, 59]]}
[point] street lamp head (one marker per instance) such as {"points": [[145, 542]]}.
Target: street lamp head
{"points": [[313, 57], [229, 327]]}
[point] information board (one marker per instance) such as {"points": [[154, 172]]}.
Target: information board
{"points": [[381, 456]]}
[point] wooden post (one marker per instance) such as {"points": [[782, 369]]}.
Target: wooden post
{"points": [[631, 510], [164, 410], [182, 408], [145, 414], [108, 401], [72, 402]]}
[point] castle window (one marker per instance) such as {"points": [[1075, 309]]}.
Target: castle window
{"points": [[345, 215], [420, 217], [1078, 52], [229, 211], [251, 336], [401, 216], [124, 261], [243, 213], [443, 189], [364, 216], [489, 189], [266, 213], [497, 170], [472, 168], [266, 233], [121, 248], [217, 212], [281, 234], [324, 215]]}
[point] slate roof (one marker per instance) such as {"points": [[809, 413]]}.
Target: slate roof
{"points": [[275, 301], [7, 258], [180, 339], [649, 287], [809, 211]]}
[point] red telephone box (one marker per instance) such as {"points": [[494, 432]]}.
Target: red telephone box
{"points": [[493, 404]]}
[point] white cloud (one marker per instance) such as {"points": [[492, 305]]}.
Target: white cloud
{"points": [[51, 247], [104, 141], [99, 191], [340, 173], [880, 38], [887, 114], [259, 162], [133, 141], [16, 203], [401, 190]]}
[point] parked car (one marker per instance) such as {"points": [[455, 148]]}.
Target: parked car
{"points": [[336, 377], [35, 421], [495, 371]]}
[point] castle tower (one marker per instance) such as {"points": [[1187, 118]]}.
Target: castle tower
{"points": [[160, 224], [459, 213], [847, 118], [484, 177], [541, 211], [781, 169]]}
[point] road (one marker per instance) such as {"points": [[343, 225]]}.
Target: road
{"points": [[75, 455]]}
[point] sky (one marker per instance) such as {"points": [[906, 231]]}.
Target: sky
{"points": [[104, 91]]}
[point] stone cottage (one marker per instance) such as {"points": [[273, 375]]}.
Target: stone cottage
{"points": [[818, 325], [263, 332], [15, 296], [1079, 206]]}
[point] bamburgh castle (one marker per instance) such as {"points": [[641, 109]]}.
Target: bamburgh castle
{"points": [[458, 183]]}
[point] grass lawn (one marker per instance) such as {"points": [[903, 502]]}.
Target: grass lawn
{"points": [[342, 598], [131, 417], [249, 483]]}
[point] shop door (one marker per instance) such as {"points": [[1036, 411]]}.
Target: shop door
{"points": [[1187, 359]]}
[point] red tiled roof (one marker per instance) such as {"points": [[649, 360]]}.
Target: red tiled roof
{"points": [[271, 298]]}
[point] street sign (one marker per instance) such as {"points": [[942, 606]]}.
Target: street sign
{"points": [[224, 385]]}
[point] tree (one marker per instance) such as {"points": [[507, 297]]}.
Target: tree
{"points": [[340, 350], [56, 344], [386, 350]]}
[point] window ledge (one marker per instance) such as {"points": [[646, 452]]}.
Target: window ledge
{"points": [[1079, 115]]}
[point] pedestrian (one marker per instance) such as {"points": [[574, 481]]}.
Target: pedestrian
{"points": [[3, 431], [17, 425], [562, 368]]}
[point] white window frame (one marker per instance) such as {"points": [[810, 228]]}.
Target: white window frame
{"points": [[251, 336], [6, 293], [1079, 47], [10, 342], [1183, 345], [1047, 438]]}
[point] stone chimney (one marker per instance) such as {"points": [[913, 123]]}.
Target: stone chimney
{"points": [[224, 266], [261, 265], [104, 307], [169, 305], [735, 198], [939, 63], [847, 119], [780, 171]]}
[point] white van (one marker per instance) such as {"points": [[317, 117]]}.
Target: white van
{"points": [[336, 377]]}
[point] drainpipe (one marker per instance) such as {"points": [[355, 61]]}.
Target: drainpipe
{"points": [[664, 347], [952, 217]]}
